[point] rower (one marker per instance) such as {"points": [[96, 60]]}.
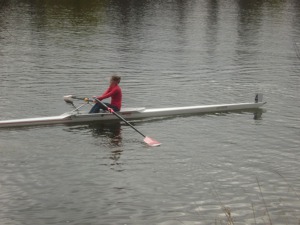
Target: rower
{"points": [[114, 92]]}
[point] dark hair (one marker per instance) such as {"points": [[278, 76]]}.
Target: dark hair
{"points": [[116, 78]]}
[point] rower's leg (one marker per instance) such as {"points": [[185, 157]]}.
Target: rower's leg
{"points": [[95, 108], [110, 106]]}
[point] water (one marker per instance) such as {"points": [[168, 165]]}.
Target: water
{"points": [[168, 53]]}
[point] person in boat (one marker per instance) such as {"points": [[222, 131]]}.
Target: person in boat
{"points": [[114, 92]]}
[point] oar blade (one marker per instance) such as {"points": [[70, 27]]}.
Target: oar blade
{"points": [[151, 142]]}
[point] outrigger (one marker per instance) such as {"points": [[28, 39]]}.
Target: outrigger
{"points": [[78, 116]]}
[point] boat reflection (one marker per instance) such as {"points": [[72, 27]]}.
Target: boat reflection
{"points": [[108, 132], [258, 114], [111, 131], [111, 135]]}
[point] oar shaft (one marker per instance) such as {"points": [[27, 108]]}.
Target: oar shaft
{"points": [[120, 117]]}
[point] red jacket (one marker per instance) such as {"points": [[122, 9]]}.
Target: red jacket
{"points": [[115, 93]]}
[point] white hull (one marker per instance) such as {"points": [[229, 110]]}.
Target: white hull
{"points": [[128, 114]]}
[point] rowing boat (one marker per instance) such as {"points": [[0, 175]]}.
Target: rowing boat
{"points": [[79, 116]]}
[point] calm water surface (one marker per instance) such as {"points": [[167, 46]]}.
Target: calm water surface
{"points": [[168, 53]]}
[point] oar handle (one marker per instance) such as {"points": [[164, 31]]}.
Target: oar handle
{"points": [[84, 99], [69, 98]]}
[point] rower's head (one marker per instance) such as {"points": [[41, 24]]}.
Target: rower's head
{"points": [[115, 79]]}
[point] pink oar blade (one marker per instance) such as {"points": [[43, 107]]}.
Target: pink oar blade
{"points": [[151, 142]]}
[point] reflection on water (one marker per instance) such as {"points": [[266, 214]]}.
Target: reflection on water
{"points": [[111, 131], [258, 114], [106, 136], [112, 134], [107, 131]]}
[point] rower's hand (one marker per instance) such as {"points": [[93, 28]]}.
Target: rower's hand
{"points": [[94, 97], [110, 110]]}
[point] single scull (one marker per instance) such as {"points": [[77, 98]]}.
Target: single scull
{"points": [[78, 116]]}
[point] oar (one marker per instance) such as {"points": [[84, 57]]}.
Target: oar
{"points": [[148, 140]]}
